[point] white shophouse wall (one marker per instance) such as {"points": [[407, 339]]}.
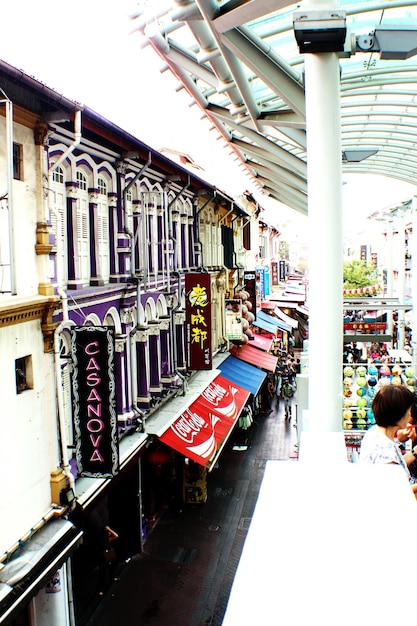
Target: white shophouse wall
{"points": [[24, 208], [28, 430], [28, 436]]}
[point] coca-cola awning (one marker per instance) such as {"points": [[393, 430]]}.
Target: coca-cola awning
{"points": [[201, 431]]}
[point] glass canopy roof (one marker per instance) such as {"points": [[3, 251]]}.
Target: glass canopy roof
{"points": [[240, 62]]}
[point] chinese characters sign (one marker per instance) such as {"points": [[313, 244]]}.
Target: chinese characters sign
{"points": [[95, 401], [198, 321]]}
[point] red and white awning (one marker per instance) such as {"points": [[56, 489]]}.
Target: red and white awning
{"points": [[202, 429]]}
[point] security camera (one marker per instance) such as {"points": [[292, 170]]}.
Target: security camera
{"points": [[320, 31]]}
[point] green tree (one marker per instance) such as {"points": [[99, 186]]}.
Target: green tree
{"points": [[302, 267], [283, 250], [357, 274]]}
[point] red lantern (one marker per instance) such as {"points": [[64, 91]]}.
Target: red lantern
{"points": [[158, 457]]}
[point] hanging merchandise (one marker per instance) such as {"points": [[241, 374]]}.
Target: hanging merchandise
{"points": [[410, 379], [245, 418], [194, 483]]}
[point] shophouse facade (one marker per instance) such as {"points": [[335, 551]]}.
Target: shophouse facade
{"points": [[99, 236]]}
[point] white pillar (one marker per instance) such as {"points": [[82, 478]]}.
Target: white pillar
{"points": [[324, 171], [388, 267], [400, 262], [413, 249]]}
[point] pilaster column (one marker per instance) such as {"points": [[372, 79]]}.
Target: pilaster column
{"points": [[155, 387], [179, 319], [142, 368]]}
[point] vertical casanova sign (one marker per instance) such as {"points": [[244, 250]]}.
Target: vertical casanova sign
{"points": [[94, 399]]}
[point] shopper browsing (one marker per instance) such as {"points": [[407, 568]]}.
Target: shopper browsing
{"points": [[392, 411]]}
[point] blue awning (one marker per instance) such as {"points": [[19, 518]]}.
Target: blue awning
{"points": [[260, 323], [243, 374], [271, 320]]}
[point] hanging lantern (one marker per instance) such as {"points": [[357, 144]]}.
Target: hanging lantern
{"points": [[158, 457]]}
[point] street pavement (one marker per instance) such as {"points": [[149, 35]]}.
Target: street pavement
{"points": [[185, 573]]}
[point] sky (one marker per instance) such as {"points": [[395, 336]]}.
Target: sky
{"points": [[86, 50]]}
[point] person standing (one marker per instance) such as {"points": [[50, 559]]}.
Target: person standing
{"points": [[391, 407], [108, 559], [287, 393], [278, 386]]}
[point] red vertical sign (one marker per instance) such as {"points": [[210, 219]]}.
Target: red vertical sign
{"points": [[198, 321]]}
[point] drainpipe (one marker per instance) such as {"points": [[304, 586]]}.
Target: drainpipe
{"points": [[179, 295], [60, 399], [235, 256], [51, 168], [222, 219], [75, 143], [199, 227], [167, 230], [223, 268], [64, 300], [174, 342], [170, 230], [138, 278], [133, 372], [128, 232]]}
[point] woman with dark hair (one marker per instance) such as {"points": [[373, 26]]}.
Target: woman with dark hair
{"points": [[391, 407]]}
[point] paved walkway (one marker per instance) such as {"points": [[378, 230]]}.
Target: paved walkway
{"points": [[184, 575]]}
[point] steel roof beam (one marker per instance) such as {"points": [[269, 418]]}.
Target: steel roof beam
{"points": [[234, 14], [279, 182], [284, 196], [281, 173], [269, 67], [225, 65], [283, 156]]}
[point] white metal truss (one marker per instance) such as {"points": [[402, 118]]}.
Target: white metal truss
{"points": [[240, 63]]}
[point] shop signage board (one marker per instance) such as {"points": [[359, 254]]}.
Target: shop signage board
{"points": [[249, 281], [267, 280], [365, 326], [274, 273], [201, 430], [94, 399], [198, 320], [282, 270], [233, 319], [260, 281]]}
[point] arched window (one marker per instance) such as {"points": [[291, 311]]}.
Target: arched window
{"points": [[81, 180], [102, 186], [128, 198], [58, 175]]}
